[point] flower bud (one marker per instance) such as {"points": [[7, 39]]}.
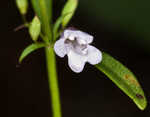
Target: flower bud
{"points": [[69, 10], [35, 28], [22, 6]]}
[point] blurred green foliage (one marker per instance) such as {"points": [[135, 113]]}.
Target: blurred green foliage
{"points": [[128, 15]]}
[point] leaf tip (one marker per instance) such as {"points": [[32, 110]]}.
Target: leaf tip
{"points": [[140, 101], [143, 106], [20, 60]]}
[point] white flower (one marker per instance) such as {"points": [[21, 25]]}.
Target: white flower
{"points": [[75, 44]]}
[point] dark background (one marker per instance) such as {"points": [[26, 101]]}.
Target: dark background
{"points": [[120, 29]]}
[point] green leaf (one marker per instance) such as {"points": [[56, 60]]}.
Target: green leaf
{"points": [[124, 79], [30, 49], [43, 9], [69, 7], [22, 6], [57, 25], [35, 28]]}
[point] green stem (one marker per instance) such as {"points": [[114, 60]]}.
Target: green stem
{"points": [[45, 20], [53, 82]]}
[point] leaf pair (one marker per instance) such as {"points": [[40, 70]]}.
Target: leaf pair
{"points": [[114, 70]]}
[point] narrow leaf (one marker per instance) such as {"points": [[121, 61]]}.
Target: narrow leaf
{"points": [[35, 28], [69, 7], [57, 25], [124, 79], [30, 49]]}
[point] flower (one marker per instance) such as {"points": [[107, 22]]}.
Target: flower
{"points": [[76, 45]]}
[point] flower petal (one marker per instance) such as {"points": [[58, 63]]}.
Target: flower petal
{"points": [[94, 55], [59, 47], [85, 36], [79, 35], [76, 61], [69, 33]]}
